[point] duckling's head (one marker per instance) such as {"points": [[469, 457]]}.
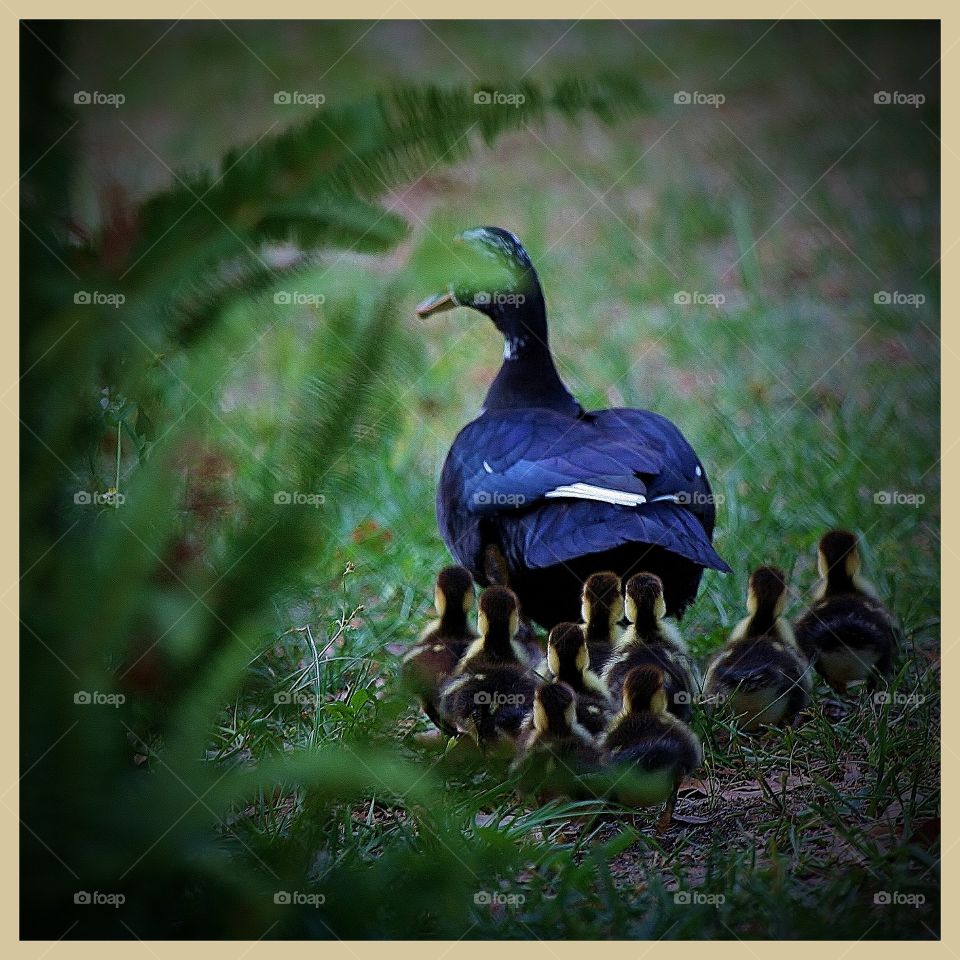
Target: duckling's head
{"points": [[602, 600], [645, 603], [643, 690], [554, 708], [498, 617], [838, 557], [454, 592], [767, 593], [496, 277], [567, 650]]}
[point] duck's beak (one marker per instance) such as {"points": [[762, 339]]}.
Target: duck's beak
{"points": [[437, 304]]}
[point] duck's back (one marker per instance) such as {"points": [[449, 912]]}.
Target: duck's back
{"points": [[678, 679], [849, 620]]}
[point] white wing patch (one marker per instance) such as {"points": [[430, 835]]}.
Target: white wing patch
{"points": [[587, 491]]}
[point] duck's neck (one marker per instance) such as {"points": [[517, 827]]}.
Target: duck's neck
{"points": [[528, 377]]}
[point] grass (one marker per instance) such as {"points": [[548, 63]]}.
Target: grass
{"points": [[796, 203]]}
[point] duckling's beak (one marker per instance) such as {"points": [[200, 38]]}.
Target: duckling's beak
{"points": [[437, 304]]}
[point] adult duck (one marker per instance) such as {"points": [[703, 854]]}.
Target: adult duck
{"points": [[539, 493]]}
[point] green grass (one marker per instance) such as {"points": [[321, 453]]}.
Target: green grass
{"points": [[804, 398]]}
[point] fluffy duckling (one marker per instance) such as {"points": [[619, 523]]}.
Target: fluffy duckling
{"points": [[555, 751], [491, 690], [761, 672], [602, 611], [848, 634], [436, 655], [568, 661], [650, 639], [650, 750]]}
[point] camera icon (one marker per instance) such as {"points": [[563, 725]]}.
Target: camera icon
{"points": [[481, 898], [882, 96], [283, 697], [82, 697], [482, 698], [82, 897], [282, 897], [882, 898], [682, 696], [282, 298], [282, 497], [883, 498], [282, 96], [682, 96], [682, 298], [882, 697], [682, 897], [83, 498], [482, 298], [81, 96], [482, 97], [481, 497], [82, 297], [882, 298]]}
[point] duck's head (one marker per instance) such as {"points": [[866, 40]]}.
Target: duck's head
{"points": [[644, 598], [554, 708], [643, 690], [498, 618], [767, 593], [454, 592], [493, 274], [602, 599], [838, 556], [567, 650]]}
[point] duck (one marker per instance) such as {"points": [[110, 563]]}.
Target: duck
{"points": [[556, 755], [491, 690], [761, 673], [443, 642], [546, 491], [601, 608], [848, 634], [568, 661], [649, 749], [651, 639]]}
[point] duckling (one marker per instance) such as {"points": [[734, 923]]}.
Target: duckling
{"points": [[848, 634], [568, 661], [491, 690], [761, 671], [602, 611], [436, 655], [650, 639], [650, 749], [555, 751]]}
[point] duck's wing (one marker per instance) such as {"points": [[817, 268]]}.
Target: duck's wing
{"points": [[563, 487]]}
